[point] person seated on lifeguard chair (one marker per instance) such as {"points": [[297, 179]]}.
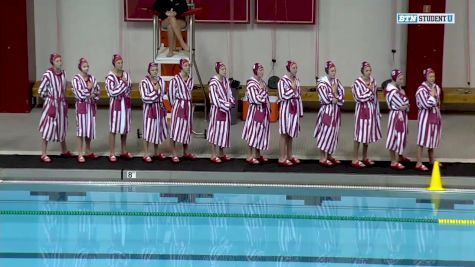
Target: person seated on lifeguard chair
{"points": [[170, 13]]}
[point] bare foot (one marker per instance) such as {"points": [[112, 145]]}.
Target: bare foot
{"points": [[170, 53], [186, 47]]}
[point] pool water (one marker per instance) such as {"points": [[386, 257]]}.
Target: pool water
{"points": [[160, 225]]}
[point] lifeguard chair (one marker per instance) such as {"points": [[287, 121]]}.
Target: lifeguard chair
{"points": [[169, 66]]}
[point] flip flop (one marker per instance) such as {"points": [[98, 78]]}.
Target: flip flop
{"points": [[327, 163], [334, 160], [216, 160], [81, 159], [398, 167], [126, 155], [189, 156], [252, 161], [263, 159], [421, 168], [159, 156], [147, 159], [112, 158], [285, 163], [368, 162], [358, 165], [295, 160], [45, 159], [91, 156]]}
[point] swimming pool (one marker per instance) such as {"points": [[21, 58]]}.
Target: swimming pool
{"points": [[113, 224]]}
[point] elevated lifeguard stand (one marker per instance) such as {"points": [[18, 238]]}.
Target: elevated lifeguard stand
{"points": [[169, 66]]}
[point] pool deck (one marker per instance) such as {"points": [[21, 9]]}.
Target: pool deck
{"points": [[236, 171]]}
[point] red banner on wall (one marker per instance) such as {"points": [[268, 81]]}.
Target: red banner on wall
{"points": [[224, 11], [134, 10], [214, 11], [286, 11]]}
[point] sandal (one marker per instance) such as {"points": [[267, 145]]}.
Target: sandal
{"points": [[45, 159], [263, 159], [216, 160], [327, 163], [189, 156], [81, 159], [225, 158], [147, 159], [368, 162], [112, 158], [421, 168], [175, 159], [398, 167], [358, 165], [334, 160], [126, 155], [285, 163], [159, 156], [67, 154], [252, 161], [295, 160], [91, 156]]}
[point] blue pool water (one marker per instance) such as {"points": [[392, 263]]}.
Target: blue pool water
{"points": [[115, 225]]}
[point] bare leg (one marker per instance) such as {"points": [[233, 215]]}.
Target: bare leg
{"points": [[282, 147], [155, 149], [173, 148], [171, 40], [323, 156], [221, 152], [177, 25], [185, 149], [64, 148], [213, 151], [88, 145], [145, 148], [44, 146], [249, 153], [419, 156], [393, 156], [289, 142], [111, 144], [258, 153], [430, 151], [365, 151], [123, 143], [356, 148], [80, 146]]}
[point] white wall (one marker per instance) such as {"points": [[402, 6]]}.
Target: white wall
{"points": [[349, 32], [455, 41]]}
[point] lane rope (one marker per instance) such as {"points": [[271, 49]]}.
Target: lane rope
{"points": [[233, 215]]}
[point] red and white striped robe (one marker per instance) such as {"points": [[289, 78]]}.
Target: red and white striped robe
{"points": [[220, 113], [155, 128], [120, 103], [291, 107], [179, 94], [54, 118], [257, 133], [397, 122], [429, 116], [328, 123], [86, 105], [367, 115]]}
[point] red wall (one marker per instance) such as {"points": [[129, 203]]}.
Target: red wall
{"points": [[14, 83], [425, 48]]}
